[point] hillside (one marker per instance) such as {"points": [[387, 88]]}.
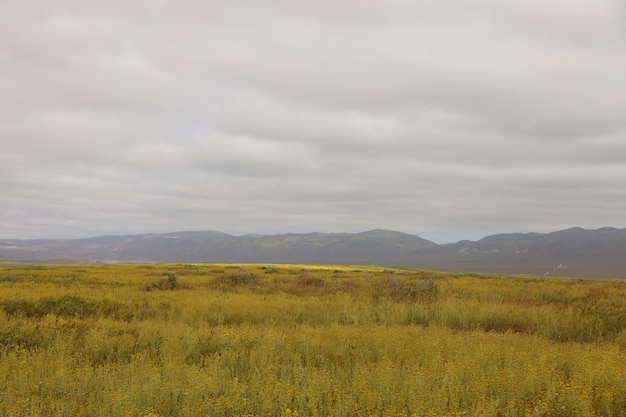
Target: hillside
{"points": [[573, 252], [375, 246]]}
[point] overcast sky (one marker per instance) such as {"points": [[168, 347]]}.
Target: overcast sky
{"points": [[442, 118]]}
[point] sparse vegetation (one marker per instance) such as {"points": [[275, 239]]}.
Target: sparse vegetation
{"points": [[287, 340], [169, 282]]}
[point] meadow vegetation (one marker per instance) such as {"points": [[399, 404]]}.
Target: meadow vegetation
{"points": [[303, 340]]}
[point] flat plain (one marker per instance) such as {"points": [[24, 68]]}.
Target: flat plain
{"points": [[306, 340]]}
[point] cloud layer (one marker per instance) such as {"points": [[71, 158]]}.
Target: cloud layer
{"points": [[442, 119]]}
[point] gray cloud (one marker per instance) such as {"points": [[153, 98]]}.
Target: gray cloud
{"points": [[439, 118]]}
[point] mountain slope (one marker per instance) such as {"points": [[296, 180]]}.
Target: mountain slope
{"points": [[573, 252], [375, 246]]}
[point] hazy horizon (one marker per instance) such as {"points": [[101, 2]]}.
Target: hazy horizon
{"points": [[440, 239]]}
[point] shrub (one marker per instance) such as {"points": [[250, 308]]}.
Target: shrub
{"points": [[66, 305], [311, 280], [170, 283], [10, 278], [230, 280], [405, 290]]}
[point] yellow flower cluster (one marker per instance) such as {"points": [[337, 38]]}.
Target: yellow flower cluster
{"points": [[298, 340]]}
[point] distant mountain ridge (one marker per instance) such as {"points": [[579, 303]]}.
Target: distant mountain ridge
{"points": [[572, 252], [213, 246]]}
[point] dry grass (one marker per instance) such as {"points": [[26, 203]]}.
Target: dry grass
{"points": [[254, 340]]}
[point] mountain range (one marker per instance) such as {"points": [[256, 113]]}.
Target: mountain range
{"points": [[573, 252]]}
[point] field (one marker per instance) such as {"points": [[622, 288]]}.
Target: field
{"points": [[304, 340]]}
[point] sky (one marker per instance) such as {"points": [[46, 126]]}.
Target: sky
{"points": [[441, 118]]}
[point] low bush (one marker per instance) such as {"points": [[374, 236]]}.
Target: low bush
{"points": [[66, 306], [405, 290], [167, 284], [231, 280]]}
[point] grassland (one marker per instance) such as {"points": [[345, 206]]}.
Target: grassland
{"points": [[299, 340]]}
